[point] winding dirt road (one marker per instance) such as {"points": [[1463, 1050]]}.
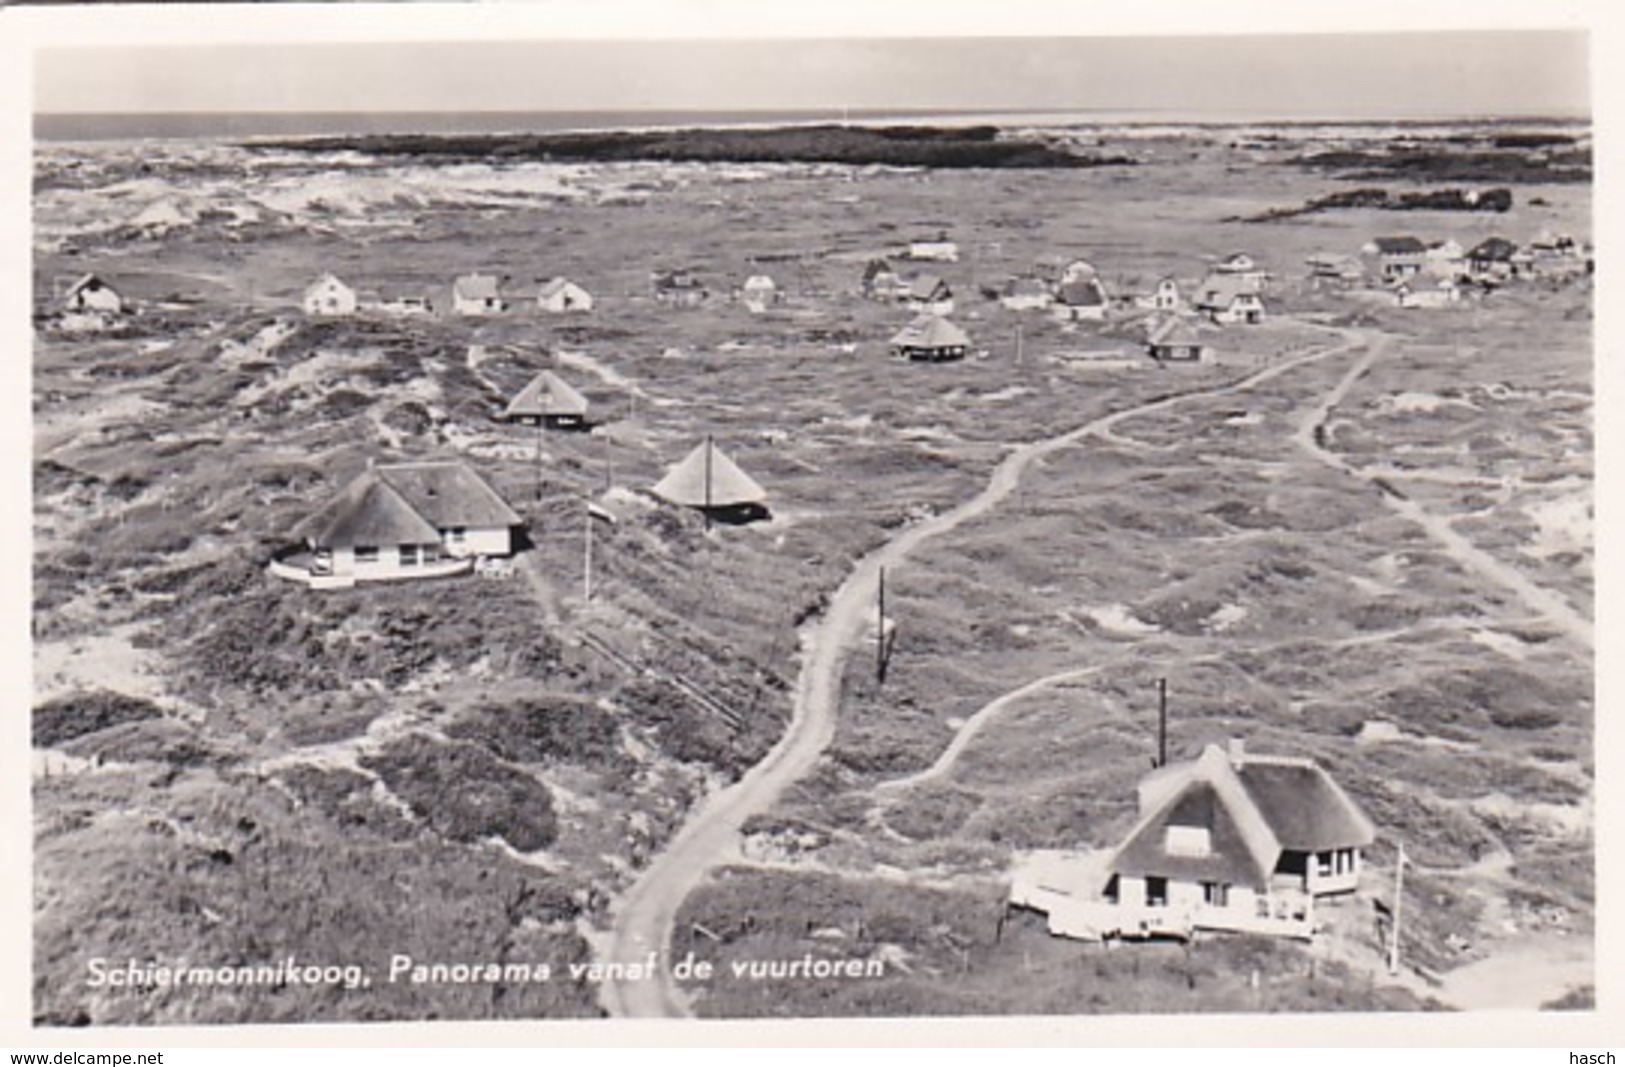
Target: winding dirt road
{"points": [[646, 914]]}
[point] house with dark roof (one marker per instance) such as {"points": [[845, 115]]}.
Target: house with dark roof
{"points": [[680, 289], [1080, 299], [929, 294], [1230, 298], [547, 400], [931, 338], [1494, 258], [1228, 841], [1176, 339], [399, 521], [92, 293], [1393, 258]]}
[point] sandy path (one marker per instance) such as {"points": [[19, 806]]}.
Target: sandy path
{"points": [[645, 915], [1549, 605]]}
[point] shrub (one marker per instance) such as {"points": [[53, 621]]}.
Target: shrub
{"points": [[79, 714], [466, 794]]}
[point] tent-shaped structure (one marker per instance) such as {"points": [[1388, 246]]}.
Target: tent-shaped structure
{"points": [[709, 480], [549, 400], [931, 337]]}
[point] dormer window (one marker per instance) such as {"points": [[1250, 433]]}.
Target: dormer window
{"points": [[1187, 841]]}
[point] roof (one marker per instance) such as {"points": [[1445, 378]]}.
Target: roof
{"points": [[1204, 793], [1237, 261], [930, 331], [408, 504], [1493, 249], [928, 287], [89, 281], [1026, 287], [706, 477], [1253, 808], [677, 279], [1307, 810], [759, 281], [547, 394], [1222, 290], [476, 286], [1174, 331], [555, 287], [1399, 246], [1082, 293], [325, 280]]}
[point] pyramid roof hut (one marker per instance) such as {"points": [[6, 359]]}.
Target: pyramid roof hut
{"points": [[708, 479], [548, 399], [931, 337]]}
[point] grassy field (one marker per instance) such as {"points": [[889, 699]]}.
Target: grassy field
{"points": [[214, 738]]}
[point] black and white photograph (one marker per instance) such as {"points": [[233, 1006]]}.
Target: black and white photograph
{"points": [[726, 526]]}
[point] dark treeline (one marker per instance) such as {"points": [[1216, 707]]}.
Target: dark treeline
{"points": [[1431, 164], [1438, 200], [902, 146]]}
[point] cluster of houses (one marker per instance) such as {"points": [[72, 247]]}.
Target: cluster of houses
{"points": [[471, 295], [1420, 273]]}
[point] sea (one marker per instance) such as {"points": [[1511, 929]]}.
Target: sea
{"points": [[219, 125]]}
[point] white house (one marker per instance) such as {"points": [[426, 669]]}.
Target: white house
{"points": [[759, 292], [928, 294], [1230, 298], [477, 294], [91, 293], [1242, 266], [1024, 294], [938, 249], [1424, 290], [327, 296], [1395, 257], [1228, 841], [1082, 299], [1445, 259], [560, 295], [1165, 297], [398, 521], [680, 289]]}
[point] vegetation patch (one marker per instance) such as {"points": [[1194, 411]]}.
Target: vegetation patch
{"points": [[78, 714], [466, 794]]}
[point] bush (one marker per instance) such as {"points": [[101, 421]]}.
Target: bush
{"points": [[466, 794], [79, 714], [544, 729]]}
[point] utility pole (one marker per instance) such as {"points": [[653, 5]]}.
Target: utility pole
{"points": [[1162, 722], [538, 458], [1399, 898], [709, 447], [609, 459], [586, 562], [1018, 342], [880, 628]]}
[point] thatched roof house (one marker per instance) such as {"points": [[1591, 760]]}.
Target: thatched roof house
{"points": [[548, 399], [931, 337]]}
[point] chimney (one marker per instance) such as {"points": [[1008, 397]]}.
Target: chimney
{"points": [[1236, 749]]}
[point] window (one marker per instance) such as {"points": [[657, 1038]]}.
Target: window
{"points": [[457, 535], [1111, 890], [409, 555], [366, 554], [1323, 864], [1216, 894], [1156, 892], [1187, 841]]}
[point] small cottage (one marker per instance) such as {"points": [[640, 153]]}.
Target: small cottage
{"points": [[707, 479], [1242, 267], [1026, 294], [1230, 298], [928, 294], [1228, 841], [1078, 270], [1176, 340], [1393, 258], [931, 338], [561, 296], [404, 304], [477, 294], [882, 282], [1445, 259], [935, 249], [1334, 270], [548, 400], [91, 293], [400, 521], [759, 293], [1082, 299], [680, 289], [1425, 290], [1493, 259], [328, 297], [1165, 297]]}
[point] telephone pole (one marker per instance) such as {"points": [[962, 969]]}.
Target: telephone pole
{"points": [[586, 560], [1399, 900], [880, 628]]}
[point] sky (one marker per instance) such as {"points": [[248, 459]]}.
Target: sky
{"points": [[1444, 74]]}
